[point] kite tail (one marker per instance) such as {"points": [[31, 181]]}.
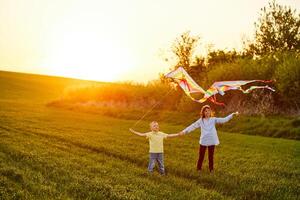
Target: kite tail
{"points": [[266, 81], [257, 87]]}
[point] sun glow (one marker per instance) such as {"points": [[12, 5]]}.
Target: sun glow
{"points": [[87, 46], [88, 56], [116, 40]]}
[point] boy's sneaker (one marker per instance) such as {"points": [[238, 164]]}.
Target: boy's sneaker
{"points": [[146, 174], [162, 173]]}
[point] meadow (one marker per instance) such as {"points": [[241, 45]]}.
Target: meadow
{"points": [[54, 153]]}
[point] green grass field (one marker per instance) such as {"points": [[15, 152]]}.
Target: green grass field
{"points": [[50, 153]]}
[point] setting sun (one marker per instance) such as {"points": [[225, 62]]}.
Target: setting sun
{"points": [[79, 46], [88, 56]]}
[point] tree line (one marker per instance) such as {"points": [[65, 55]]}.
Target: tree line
{"points": [[273, 54]]}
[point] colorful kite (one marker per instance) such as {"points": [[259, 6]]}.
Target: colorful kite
{"points": [[183, 79]]}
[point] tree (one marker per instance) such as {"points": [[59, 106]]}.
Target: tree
{"points": [[183, 47], [215, 57], [278, 29]]}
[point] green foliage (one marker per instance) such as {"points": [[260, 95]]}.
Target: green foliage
{"points": [[278, 29], [215, 57], [287, 76], [296, 122], [199, 70], [183, 48]]}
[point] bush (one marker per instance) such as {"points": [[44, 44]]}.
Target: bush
{"points": [[282, 68], [287, 76]]}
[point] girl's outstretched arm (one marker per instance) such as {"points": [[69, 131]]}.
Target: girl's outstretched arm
{"points": [[137, 133], [225, 119], [191, 127]]}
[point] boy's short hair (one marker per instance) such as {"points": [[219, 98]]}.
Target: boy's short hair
{"points": [[153, 122]]}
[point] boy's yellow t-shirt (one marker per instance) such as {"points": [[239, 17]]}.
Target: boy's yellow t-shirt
{"points": [[156, 141]]}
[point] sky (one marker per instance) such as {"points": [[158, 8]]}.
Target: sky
{"points": [[116, 40]]}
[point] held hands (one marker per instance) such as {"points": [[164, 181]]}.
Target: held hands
{"points": [[181, 133], [236, 113], [176, 134]]}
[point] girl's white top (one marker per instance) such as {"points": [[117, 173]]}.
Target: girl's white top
{"points": [[208, 129]]}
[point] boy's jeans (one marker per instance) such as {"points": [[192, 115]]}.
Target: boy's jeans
{"points": [[159, 157]]}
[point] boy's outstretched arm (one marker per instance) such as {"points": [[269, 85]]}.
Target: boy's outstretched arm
{"points": [[137, 133], [173, 135], [181, 133]]}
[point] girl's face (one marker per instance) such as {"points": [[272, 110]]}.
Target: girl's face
{"points": [[207, 112]]}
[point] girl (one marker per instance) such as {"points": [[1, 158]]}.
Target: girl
{"points": [[209, 137]]}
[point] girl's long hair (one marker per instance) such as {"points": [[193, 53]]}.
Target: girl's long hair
{"points": [[202, 115]]}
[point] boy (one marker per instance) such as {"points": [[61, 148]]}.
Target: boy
{"points": [[156, 146]]}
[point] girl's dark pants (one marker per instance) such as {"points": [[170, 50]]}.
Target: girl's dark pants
{"points": [[202, 150]]}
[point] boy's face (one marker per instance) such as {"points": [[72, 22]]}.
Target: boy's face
{"points": [[154, 126]]}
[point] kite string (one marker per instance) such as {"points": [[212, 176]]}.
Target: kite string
{"points": [[151, 108]]}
